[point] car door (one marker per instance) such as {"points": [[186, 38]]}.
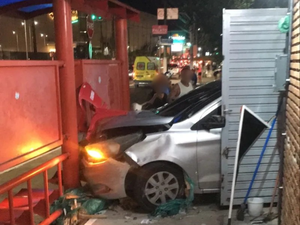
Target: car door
{"points": [[208, 150]]}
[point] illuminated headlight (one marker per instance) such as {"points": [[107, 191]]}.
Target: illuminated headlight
{"points": [[100, 152]]}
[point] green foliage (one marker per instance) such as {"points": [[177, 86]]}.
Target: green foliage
{"points": [[242, 4], [207, 14]]}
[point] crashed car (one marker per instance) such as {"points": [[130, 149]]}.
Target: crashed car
{"points": [[146, 155]]}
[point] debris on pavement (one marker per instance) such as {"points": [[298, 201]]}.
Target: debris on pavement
{"points": [[78, 204], [148, 221], [177, 206]]}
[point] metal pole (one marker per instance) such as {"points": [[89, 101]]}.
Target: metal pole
{"points": [[192, 45], [165, 63], [34, 37], [122, 55], [64, 51], [17, 39], [30, 38], [26, 41]]}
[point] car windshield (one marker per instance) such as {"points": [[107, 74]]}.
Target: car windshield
{"points": [[192, 102]]}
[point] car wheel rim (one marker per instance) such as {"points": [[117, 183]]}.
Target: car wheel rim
{"points": [[161, 187]]}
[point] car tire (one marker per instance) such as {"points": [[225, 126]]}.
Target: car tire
{"points": [[158, 183]]}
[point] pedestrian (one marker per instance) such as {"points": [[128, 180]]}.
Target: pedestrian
{"points": [[209, 71], [184, 86], [194, 78], [216, 72], [158, 96], [200, 77]]}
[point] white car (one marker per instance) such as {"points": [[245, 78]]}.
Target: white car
{"points": [[174, 71], [145, 154]]}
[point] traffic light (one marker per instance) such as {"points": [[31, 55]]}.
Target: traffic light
{"points": [[94, 17]]}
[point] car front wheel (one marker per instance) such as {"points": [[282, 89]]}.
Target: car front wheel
{"points": [[158, 183]]}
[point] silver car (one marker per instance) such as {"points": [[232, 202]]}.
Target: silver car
{"points": [[145, 154]]}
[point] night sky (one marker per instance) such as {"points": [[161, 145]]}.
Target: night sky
{"points": [[149, 6]]}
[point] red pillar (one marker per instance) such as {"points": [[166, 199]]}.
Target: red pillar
{"points": [[64, 51], [122, 55]]}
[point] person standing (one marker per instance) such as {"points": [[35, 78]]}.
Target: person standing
{"points": [[158, 96], [184, 86], [194, 78]]}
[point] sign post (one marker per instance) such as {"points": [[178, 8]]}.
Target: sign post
{"points": [[167, 14], [172, 13]]}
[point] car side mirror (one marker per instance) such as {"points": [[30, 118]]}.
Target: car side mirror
{"points": [[215, 121]]}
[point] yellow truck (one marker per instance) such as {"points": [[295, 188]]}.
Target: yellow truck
{"points": [[145, 69]]}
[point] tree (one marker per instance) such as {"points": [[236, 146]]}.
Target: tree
{"points": [[270, 4], [207, 15]]}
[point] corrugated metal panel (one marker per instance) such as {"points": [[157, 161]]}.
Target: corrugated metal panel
{"points": [[251, 41]]}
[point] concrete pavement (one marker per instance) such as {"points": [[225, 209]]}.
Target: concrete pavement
{"points": [[205, 211]]}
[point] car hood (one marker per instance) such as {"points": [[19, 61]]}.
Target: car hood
{"points": [[135, 119]]}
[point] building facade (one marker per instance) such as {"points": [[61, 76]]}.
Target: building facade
{"points": [[291, 180], [12, 38]]}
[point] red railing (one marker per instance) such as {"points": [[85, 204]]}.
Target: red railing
{"points": [[27, 177]]}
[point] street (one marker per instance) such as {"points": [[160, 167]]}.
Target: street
{"points": [[139, 94], [204, 211]]}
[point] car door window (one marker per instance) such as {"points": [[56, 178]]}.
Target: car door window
{"points": [[151, 66], [140, 66], [198, 125]]}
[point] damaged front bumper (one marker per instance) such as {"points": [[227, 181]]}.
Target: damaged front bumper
{"points": [[106, 179]]}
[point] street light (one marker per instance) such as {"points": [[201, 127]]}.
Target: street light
{"points": [[17, 39], [44, 36], [24, 23], [199, 49], [199, 29]]}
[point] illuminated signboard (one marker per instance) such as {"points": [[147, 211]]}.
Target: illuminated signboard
{"points": [[178, 42], [178, 39], [177, 48], [74, 16]]}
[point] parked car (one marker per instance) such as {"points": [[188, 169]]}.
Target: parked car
{"points": [[173, 71], [145, 154], [145, 70]]}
